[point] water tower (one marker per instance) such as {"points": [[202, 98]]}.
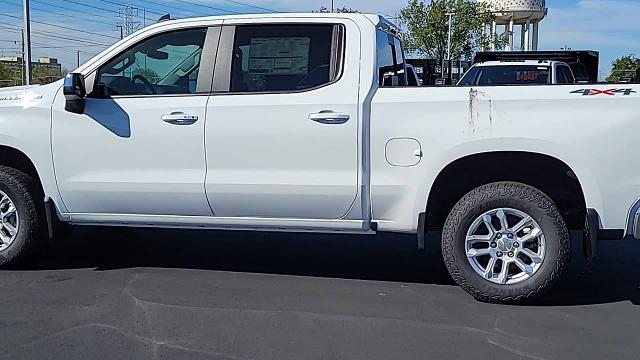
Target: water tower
{"points": [[523, 13]]}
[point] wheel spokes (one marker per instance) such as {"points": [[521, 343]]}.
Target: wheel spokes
{"points": [[488, 272], [504, 225], [4, 239], [487, 222], [474, 239], [4, 202], [478, 252], [10, 228], [10, 211], [534, 233], [522, 224], [504, 272], [505, 254], [8, 221], [531, 255], [527, 269]]}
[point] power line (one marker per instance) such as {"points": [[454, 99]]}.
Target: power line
{"points": [[61, 14], [183, 11], [63, 27], [122, 5], [58, 6], [91, 6], [249, 5], [54, 36], [206, 6]]}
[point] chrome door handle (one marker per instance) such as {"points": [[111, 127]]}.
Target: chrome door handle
{"points": [[329, 117], [179, 118]]}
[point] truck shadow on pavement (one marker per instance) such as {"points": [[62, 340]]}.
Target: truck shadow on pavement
{"points": [[613, 277]]}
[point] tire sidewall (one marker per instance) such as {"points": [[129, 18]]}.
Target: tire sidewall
{"points": [[25, 207]]}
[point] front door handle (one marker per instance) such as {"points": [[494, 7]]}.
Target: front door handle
{"points": [[329, 117], [179, 118]]}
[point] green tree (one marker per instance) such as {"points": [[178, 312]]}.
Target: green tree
{"points": [[45, 75], [5, 75], [343, 9], [625, 66], [8, 77], [427, 28]]}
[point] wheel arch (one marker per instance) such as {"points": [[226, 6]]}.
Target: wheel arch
{"points": [[16, 159], [482, 168]]}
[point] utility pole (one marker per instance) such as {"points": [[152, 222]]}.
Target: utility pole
{"points": [[22, 72], [450, 15], [332, 7], [27, 42], [448, 57], [78, 57], [121, 33]]}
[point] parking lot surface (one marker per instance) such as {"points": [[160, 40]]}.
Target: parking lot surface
{"points": [[152, 294]]}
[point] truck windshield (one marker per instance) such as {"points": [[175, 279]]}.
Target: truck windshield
{"points": [[506, 75]]}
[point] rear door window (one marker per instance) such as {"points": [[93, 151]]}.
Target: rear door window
{"points": [[281, 58]]}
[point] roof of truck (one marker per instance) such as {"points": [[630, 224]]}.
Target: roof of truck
{"points": [[375, 19]]}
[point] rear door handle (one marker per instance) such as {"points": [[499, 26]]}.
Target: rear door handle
{"points": [[329, 117], [179, 118]]}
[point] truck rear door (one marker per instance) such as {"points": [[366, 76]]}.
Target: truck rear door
{"points": [[282, 124]]}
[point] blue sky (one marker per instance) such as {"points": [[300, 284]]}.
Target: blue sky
{"points": [[60, 26]]}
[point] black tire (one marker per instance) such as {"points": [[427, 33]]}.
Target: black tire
{"points": [[23, 192], [506, 195]]}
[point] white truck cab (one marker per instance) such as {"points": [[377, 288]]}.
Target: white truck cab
{"points": [[521, 72], [308, 123]]}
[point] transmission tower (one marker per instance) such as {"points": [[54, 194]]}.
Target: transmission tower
{"points": [[129, 17]]}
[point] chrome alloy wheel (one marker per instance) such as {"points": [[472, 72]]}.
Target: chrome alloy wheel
{"points": [[9, 221], [505, 246]]}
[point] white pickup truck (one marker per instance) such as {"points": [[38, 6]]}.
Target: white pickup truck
{"points": [[304, 122]]}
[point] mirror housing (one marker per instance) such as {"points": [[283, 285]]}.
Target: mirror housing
{"points": [[74, 93]]}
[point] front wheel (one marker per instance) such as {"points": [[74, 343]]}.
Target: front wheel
{"points": [[20, 219], [505, 243]]}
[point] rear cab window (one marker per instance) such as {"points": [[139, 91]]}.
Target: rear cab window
{"points": [[507, 75]]}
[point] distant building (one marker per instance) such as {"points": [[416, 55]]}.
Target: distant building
{"points": [[15, 63]]}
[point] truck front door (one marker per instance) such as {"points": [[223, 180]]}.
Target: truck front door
{"points": [[138, 148], [282, 124]]}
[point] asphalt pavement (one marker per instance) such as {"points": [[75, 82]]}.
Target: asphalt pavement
{"points": [[158, 294]]}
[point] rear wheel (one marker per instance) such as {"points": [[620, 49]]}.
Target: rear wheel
{"points": [[20, 220], [505, 242]]}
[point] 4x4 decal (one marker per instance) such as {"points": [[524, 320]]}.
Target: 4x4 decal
{"points": [[610, 92]]}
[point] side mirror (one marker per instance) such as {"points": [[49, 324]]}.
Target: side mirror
{"points": [[74, 93]]}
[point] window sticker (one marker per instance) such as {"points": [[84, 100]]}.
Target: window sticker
{"points": [[528, 75], [279, 56]]}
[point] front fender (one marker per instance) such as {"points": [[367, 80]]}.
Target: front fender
{"points": [[25, 125]]}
